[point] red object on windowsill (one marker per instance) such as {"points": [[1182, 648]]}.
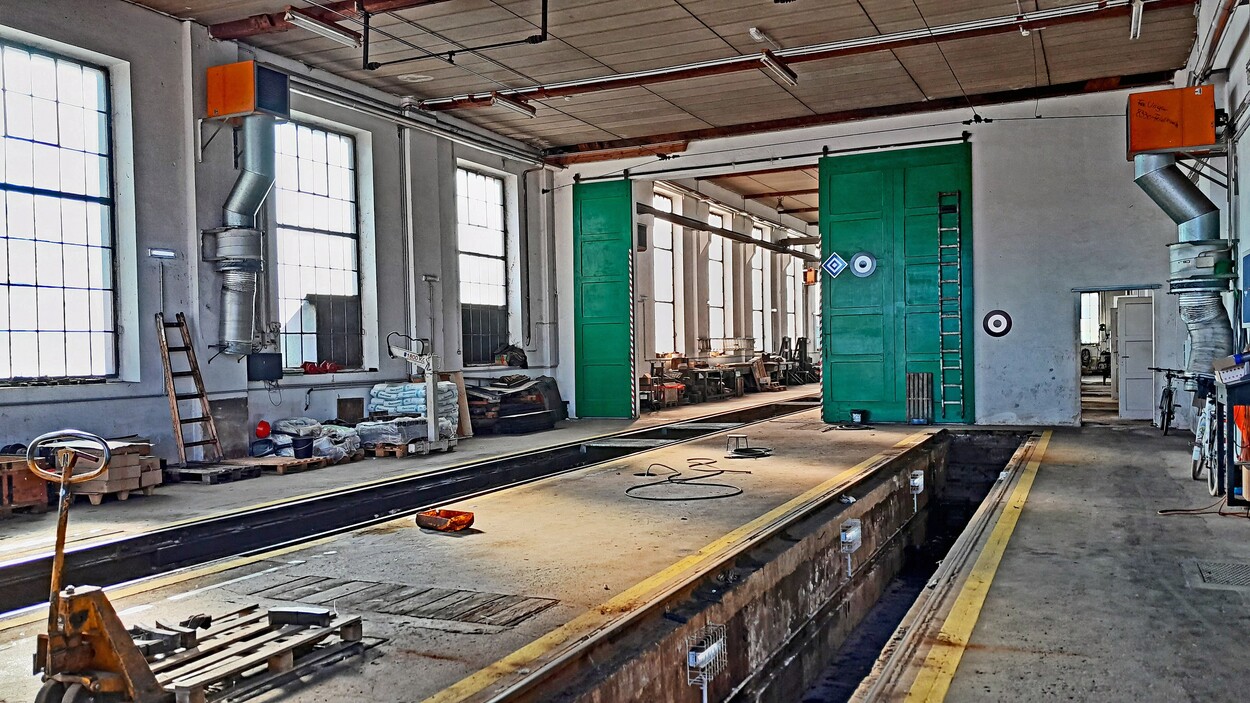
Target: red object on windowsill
{"points": [[312, 367]]}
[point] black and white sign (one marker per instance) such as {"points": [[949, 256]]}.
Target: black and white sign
{"points": [[863, 264], [997, 323]]}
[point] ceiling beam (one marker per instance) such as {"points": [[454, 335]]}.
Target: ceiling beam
{"points": [[626, 153], [332, 12], [779, 193], [953, 103], [1005, 24], [797, 210], [701, 226], [758, 172], [798, 241]]}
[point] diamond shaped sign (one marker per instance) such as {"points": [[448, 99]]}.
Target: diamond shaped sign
{"points": [[834, 265]]}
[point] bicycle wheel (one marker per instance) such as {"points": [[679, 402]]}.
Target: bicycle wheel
{"points": [[1166, 409]]}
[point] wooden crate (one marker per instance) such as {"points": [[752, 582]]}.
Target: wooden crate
{"points": [[19, 488]]}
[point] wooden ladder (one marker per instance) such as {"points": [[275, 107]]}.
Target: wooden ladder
{"points": [[208, 431]]}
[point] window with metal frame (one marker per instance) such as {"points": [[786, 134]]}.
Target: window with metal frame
{"points": [[717, 288], [759, 295], [794, 294], [57, 300], [1090, 303], [482, 241], [664, 291], [318, 240]]}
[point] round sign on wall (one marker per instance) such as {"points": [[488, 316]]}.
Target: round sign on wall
{"points": [[863, 264], [997, 323]]}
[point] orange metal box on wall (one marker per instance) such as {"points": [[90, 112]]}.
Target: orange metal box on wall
{"points": [[1171, 120]]}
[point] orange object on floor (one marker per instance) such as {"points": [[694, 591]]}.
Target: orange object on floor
{"points": [[444, 520], [1241, 416]]}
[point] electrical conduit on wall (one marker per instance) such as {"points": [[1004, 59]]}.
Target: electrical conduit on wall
{"points": [[1201, 262]]}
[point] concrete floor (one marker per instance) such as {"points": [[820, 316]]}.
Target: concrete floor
{"points": [[1097, 598], [572, 542], [25, 534]]}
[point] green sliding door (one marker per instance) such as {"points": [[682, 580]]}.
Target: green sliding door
{"points": [[899, 318], [603, 234]]}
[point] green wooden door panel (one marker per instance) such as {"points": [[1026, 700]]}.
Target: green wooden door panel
{"points": [[603, 233], [878, 329]]}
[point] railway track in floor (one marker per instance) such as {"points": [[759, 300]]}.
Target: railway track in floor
{"points": [[24, 580]]}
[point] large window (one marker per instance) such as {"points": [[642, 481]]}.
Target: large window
{"points": [[664, 291], [794, 293], [716, 284], [759, 297], [57, 318], [318, 247], [482, 238]]}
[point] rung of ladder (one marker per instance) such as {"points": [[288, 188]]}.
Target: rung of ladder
{"points": [[201, 443], [177, 349], [188, 396], [182, 374], [192, 420], [172, 324]]}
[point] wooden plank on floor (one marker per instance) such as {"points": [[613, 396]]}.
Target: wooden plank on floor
{"points": [[519, 612], [299, 594], [417, 603], [385, 603], [291, 583], [473, 602], [376, 590], [337, 593]]}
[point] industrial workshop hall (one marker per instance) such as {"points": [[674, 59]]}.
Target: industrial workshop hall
{"points": [[592, 351]]}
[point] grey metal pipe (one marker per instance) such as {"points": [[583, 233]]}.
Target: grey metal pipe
{"points": [[1200, 261], [257, 171]]}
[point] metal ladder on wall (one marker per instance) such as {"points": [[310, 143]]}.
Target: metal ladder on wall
{"points": [[950, 303], [208, 431]]}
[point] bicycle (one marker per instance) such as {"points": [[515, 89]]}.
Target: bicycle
{"points": [[1203, 457], [1167, 399]]}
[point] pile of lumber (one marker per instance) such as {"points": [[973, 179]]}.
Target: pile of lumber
{"points": [[132, 468]]}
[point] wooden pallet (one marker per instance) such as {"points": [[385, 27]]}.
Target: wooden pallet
{"points": [[209, 475], [384, 450], [281, 464], [417, 447], [97, 498], [243, 651]]}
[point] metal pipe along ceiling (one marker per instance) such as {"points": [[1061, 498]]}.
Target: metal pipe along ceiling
{"points": [[1201, 262]]}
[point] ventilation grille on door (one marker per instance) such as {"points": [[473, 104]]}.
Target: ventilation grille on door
{"points": [[920, 397]]}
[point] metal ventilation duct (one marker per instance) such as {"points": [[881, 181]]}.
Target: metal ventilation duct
{"points": [[238, 248], [1201, 262]]}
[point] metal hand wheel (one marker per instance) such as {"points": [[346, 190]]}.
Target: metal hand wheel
{"points": [[64, 458]]}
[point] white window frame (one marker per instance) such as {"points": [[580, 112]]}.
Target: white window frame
{"points": [[657, 302], [760, 328], [512, 228], [722, 283], [128, 332]]}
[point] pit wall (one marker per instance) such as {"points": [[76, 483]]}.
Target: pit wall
{"points": [[161, 62], [787, 603], [1055, 209]]}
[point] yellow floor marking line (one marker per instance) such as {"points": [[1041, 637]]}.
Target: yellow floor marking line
{"points": [[642, 592], [938, 670]]}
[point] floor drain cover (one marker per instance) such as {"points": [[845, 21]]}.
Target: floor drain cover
{"points": [[1224, 574]]}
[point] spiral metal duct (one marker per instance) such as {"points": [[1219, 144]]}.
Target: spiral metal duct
{"points": [[1201, 262], [239, 252]]}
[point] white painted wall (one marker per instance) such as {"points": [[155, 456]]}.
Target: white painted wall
{"points": [[1055, 208]]}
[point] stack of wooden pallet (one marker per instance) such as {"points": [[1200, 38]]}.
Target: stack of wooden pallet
{"points": [[19, 488], [131, 469]]}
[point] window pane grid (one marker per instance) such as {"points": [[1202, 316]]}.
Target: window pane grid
{"points": [[482, 240], [758, 293], [716, 284], [664, 290], [318, 247], [57, 318]]}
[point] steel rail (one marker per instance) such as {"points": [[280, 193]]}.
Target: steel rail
{"points": [[24, 581]]}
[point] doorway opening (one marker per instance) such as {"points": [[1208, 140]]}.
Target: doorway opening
{"points": [[1115, 350]]}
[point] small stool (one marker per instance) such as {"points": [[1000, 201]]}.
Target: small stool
{"points": [[736, 441]]}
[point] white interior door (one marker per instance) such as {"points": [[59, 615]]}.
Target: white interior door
{"points": [[1135, 348], [1114, 346]]}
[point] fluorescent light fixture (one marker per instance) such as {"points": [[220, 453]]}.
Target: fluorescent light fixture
{"points": [[157, 253], [783, 72], [759, 36], [329, 30], [515, 104], [1134, 28]]}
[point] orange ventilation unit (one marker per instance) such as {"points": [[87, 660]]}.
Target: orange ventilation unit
{"points": [[1179, 119], [246, 88]]}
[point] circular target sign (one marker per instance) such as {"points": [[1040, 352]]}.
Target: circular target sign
{"points": [[997, 323], [863, 264]]}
